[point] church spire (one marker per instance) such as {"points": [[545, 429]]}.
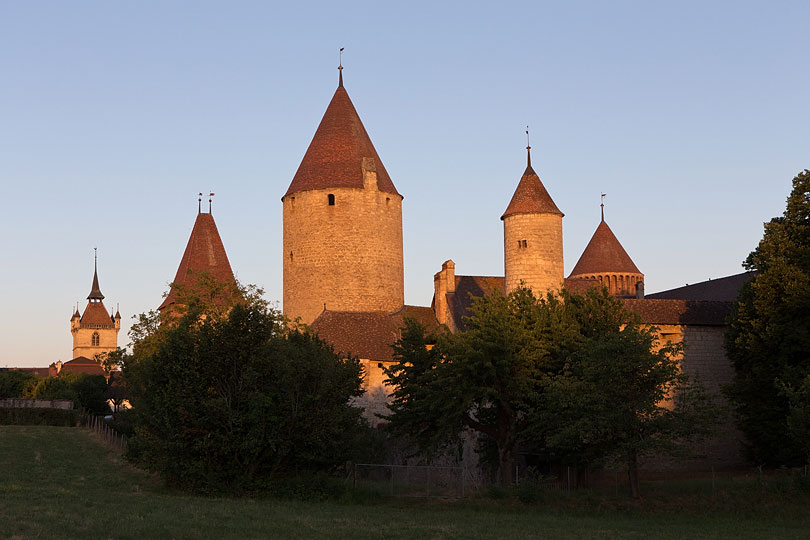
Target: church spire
{"points": [[95, 291]]}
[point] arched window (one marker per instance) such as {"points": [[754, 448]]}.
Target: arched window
{"points": [[331, 198], [94, 340]]}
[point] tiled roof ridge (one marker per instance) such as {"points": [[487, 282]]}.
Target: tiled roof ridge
{"points": [[334, 156]]}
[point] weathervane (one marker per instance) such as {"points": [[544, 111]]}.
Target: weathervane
{"points": [[340, 67], [602, 206], [210, 196], [528, 148]]}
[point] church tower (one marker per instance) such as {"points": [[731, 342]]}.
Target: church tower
{"points": [[342, 223], [95, 331], [532, 237], [605, 260]]}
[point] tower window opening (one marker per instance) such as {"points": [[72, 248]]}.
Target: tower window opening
{"points": [[94, 340], [291, 256], [292, 202], [522, 244], [331, 198], [388, 201]]}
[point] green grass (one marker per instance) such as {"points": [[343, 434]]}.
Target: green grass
{"points": [[62, 483]]}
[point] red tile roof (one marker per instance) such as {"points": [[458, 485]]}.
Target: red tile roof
{"points": [[335, 155], [723, 289], [204, 254], [82, 364], [96, 313], [531, 197], [368, 334], [604, 253]]}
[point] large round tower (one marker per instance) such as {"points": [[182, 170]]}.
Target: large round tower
{"points": [[532, 237], [342, 223]]}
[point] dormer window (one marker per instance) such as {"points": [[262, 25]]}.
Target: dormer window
{"points": [[331, 199]]}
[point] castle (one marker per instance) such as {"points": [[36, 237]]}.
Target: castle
{"points": [[343, 267]]}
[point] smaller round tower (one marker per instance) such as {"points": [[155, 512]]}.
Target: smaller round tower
{"points": [[532, 237], [605, 260]]}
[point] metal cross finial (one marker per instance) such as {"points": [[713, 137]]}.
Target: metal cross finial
{"points": [[210, 196], [602, 206]]}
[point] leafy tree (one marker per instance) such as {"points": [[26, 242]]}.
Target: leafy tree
{"points": [[54, 388], [769, 332], [90, 391], [622, 393], [489, 378], [231, 399], [576, 376], [17, 384]]}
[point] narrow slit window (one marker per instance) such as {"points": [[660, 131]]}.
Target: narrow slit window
{"points": [[331, 198]]}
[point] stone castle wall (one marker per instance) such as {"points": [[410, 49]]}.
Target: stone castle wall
{"points": [[347, 255], [533, 252], [82, 341], [704, 359]]}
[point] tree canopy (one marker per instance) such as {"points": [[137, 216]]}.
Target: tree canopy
{"points": [[769, 333], [577, 376], [229, 399]]}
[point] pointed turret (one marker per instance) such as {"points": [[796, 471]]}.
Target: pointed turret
{"points": [[606, 260], [204, 255], [335, 157], [531, 196], [532, 236], [342, 223]]}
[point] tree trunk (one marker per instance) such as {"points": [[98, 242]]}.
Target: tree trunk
{"points": [[632, 474], [506, 465]]}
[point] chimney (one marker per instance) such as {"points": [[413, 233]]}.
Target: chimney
{"points": [[369, 167], [449, 271], [640, 290]]}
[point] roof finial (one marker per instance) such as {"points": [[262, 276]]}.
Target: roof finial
{"points": [[602, 206], [199, 203], [210, 196], [528, 148], [95, 259], [340, 69]]}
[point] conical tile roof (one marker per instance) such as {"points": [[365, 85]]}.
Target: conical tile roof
{"points": [[335, 155], [531, 197], [604, 254], [96, 313], [204, 253]]}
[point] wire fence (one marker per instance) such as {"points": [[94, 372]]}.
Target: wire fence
{"points": [[411, 480], [112, 438]]}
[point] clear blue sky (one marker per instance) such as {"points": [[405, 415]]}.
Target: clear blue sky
{"points": [[691, 116]]}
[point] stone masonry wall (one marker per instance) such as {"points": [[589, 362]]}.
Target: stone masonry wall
{"points": [[533, 252], [82, 341], [704, 358], [347, 256]]}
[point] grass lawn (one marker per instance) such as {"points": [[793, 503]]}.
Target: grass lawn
{"points": [[62, 483]]}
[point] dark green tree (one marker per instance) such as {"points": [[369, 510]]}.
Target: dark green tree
{"points": [[769, 332], [230, 401], [54, 388], [90, 391], [17, 384], [489, 378], [621, 394]]}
